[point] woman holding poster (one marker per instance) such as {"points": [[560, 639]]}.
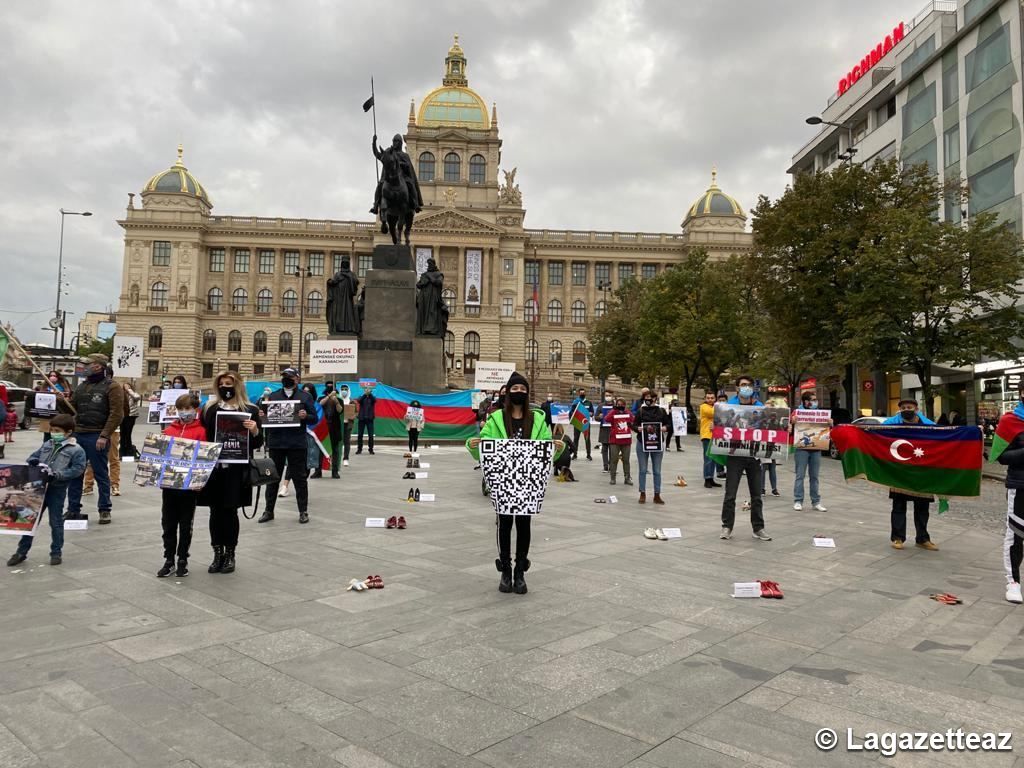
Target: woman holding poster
{"points": [[651, 424]]}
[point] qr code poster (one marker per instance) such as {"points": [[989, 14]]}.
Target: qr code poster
{"points": [[517, 472]]}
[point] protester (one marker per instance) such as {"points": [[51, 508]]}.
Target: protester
{"points": [[178, 507], [909, 416], [61, 461], [1012, 458], [546, 407], [497, 400], [133, 400], [58, 385], [113, 454], [367, 403], [650, 413], [563, 464], [288, 444], [179, 382], [672, 428], [769, 471], [350, 409], [620, 435], [229, 486], [586, 409], [267, 392], [707, 422], [639, 401], [414, 422], [515, 421], [807, 462], [736, 467], [314, 456], [5, 409], [334, 413], [9, 422], [604, 430]]}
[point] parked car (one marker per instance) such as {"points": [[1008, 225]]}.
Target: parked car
{"points": [[858, 422]]}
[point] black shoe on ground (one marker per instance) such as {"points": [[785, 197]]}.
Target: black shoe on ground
{"points": [[266, 517], [303, 517], [416, 496], [229, 560], [709, 483], [104, 517], [56, 560], [371, 452], [182, 570], [166, 569], [519, 579], [317, 475], [335, 476], [16, 559], [218, 560], [505, 569]]}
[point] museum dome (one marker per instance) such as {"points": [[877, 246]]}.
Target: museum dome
{"points": [[454, 103], [177, 179], [714, 202]]}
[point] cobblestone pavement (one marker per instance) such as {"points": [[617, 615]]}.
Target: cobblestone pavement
{"points": [[625, 652]]}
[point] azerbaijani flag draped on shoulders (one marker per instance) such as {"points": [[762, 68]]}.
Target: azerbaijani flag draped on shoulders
{"points": [[1010, 425], [945, 461]]}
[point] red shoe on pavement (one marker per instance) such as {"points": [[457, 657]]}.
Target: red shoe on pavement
{"points": [[392, 522], [401, 523]]}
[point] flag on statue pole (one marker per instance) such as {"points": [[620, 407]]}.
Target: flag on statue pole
{"points": [[368, 104]]}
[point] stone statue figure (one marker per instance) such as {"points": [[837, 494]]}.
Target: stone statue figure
{"points": [[342, 316], [398, 195], [431, 311], [508, 192]]}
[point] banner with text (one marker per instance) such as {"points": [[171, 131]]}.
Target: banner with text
{"points": [[474, 270], [756, 431], [334, 356], [127, 356], [493, 375], [811, 429]]}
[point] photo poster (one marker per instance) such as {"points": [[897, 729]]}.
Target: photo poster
{"points": [[650, 437], [281, 413], [22, 493], [177, 463], [44, 405], [517, 473], [474, 270], [560, 414], [163, 410], [811, 429], [232, 436], [678, 420], [127, 358], [422, 254], [755, 431]]}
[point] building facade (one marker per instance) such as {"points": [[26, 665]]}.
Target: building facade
{"points": [[211, 292]]}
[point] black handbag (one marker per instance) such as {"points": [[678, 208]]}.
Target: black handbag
{"points": [[261, 472]]}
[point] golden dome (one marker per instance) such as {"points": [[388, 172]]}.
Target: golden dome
{"points": [[714, 202], [454, 103], [177, 179]]}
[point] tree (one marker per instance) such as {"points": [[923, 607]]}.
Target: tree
{"points": [[97, 347]]}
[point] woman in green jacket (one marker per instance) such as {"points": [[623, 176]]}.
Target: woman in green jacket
{"points": [[515, 421]]}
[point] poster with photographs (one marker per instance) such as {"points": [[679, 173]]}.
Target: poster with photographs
{"points": [[422, 254], [281, 413], [232, 437], [44, 405], [162, 410], [175, 462], [811, 429], [22, 491], [755, 431], [474, 270], [650, 437]]}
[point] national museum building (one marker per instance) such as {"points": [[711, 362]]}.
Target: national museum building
{"points": [[209, 292]]}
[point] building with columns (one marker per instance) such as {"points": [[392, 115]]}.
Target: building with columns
{"points": [[210, 292]]}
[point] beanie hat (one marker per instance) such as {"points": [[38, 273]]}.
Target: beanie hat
{"points": [[518, 378]]}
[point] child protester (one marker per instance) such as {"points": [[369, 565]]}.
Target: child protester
{"points": [[179, 507], [62, 460]]}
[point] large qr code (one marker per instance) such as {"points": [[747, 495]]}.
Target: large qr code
{"points": [[517, 473]]}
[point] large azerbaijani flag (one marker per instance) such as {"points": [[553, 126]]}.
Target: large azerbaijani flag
{"points": [[945, 461], [1010, 425]]}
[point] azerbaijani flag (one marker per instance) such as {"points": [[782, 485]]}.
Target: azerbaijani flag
{"points": [[579, 418], [945, 461], [1009, 427]]}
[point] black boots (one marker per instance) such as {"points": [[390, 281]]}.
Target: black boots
{"points": [[182, 568], [518, 580], [709, 483], [505, 569], [229, 561], [218, 559], [167, 568]]}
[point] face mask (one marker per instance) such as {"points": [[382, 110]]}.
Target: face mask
{"points": [[226, 393], [57, 437], [187, 416], [746, 391], [908, 415], [812, 404], [620, 408], [607, 399], [648, 402], [494, 399], [518, 398], [178, 385], [95, 376], [550, 399], [288, 383]]}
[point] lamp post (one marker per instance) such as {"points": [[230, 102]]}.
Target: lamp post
{"points": [[302, 274], [603, 286], [847, 156], [57, 323]]}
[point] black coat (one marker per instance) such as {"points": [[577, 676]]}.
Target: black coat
{"points": [[291, 438], [1013, 459], [228, 485]]}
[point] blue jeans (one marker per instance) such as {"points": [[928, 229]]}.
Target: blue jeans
{"points": [[642, 457], [709, 464], [54, 503], [768, 473], [100, 469], [808, 462]]}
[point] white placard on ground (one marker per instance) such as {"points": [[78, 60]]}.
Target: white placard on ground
{"points": [[746, 589], [127, 459], [334, 356], [427, 497], [673, 533], [820, 541], [376, 522], [434, 447], [424, 466], [76, 525], [613, 500], [421, 475]]}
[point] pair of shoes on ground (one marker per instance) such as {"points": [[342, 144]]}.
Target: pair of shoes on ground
{"points": [[266, 517], [819, 507], [680, 481], [17, 559], [643, 498], [655, 533], [709, 483], [627, 481], [760, 535], [370, 582], [414, 494], [930, 546], [395, 522], [512, 580], [770, 589], [181, 571], [409, 476], [223, 560]]}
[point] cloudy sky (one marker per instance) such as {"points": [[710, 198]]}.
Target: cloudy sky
{"points": [[614, 111]]}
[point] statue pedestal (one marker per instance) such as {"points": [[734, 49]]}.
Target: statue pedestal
{"points": [[428, 368]]}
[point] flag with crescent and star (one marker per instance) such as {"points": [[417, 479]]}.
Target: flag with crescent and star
{"points": [[945, 461], [1010, 426]]}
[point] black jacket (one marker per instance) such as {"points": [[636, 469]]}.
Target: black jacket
{"points": [[546, 407], [1013, 459], [367, 406], [654, 413], [290, 438]]}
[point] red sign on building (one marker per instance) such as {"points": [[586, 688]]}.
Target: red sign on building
{"points": [[872, 57]]}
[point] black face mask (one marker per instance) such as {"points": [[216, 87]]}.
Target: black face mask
{"points": [[620, 408], [517, 398], [95, 376], [908, 415], [226, 393], [287, 383], [648, 403]]}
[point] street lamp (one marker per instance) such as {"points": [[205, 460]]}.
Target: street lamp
{"points": [[603, 286], [302, 275], [57, 322], [847, 156]]}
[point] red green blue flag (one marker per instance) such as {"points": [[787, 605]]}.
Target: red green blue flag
{"points": [[1009, 427], [579, 418]]}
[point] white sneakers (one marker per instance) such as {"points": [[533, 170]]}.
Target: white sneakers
{"points": [[650, 533], [819, 507], [344, 463], [798, 507], [726, 533], [1013, 593], [283, 492]]}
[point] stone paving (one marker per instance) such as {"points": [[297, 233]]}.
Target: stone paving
{"points": [[625, 652]]}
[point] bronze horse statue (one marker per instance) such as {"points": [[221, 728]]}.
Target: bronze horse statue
{"points": [[396, 210]]}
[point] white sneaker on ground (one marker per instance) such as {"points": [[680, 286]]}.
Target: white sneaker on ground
{"points": [[344, 463], [819, 507], [1013, 593], [762, 535], [726, 533], [282, 492], [798, 506]]}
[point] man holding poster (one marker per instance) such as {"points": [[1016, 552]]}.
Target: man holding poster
{"points": [[810, 434], [737, 466]]}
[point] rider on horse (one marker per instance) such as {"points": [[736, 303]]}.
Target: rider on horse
{"points": [[405, 168]]}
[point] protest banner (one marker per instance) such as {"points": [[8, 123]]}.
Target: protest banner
{"points": [[678, 420], [232, 436], [127, 358], [517, 473], [175, 462], [334, 356], [44, 405], [650, 437], [560, 414], [474, 260], [22, 492], [811, 429], [281, 413], [493, 375], [755, 431]]}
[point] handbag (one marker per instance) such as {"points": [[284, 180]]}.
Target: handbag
{"points": [[261, 472]]}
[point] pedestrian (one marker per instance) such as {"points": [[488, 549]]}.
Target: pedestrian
{"points": [[651, 416], [113, 454], [769, 471], [736, 467], [314, 456], [672, 428], [4, 410], [414, 422], [334, 411], [563, 464], [367, 403], [620, 435], [546, 407], [1012, 458], [10, 421], [350, 411], [808, 461], [229, 486], [99, 408], [178, 507], [58, 385], [707, 423], [179, 382], [604, 430], [586, 409], [62, 461], [516, 421], [639, 401], [133, 401], [910, 416], [288, 444]]}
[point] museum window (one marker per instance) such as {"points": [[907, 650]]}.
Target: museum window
{"points": [[508, 306], [470, 351], [989, 122], [266, 262], [579, 352], [625, 273], [602, 275], [216, 259], [316, 263], [649, 271], [448, 297], [427, 164], [579, 313], [258, 369], [599, 309], [284, 343], [161, 253], [579, 273], [207, 370], [214, 299], [259, 343], [291, 262], [991, 55], [314, 303], [555, 312], [311, 336], [365, 264], [152, 367], [235, 341], [531, 350], [508, 267], [555, 353], [991, 186], [241, 260], [951, 146], [233, 367], [158, 296], [263, 301], [156, 337], [239, 298], [209, 340], [289, 302], [477, 169], [531, 273], [449, 349], [452, 167], [556, 271], [530, 311]]}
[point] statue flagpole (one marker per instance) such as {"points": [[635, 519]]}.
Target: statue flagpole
{"points": [[373, 107]]}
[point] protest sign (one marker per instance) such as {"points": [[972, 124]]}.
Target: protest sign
{"points": [[517, 472], [22, 491], [678, 420], [559, 414], [755, 431], [127, 357], [811, 429], [175, 462], [334, 356], [232, 436], [281, 413], [650, 437], [44, 405], [493, 375]]}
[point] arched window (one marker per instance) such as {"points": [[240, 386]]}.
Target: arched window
{"points": [[259, 343], [235, 341], [530, 311], [156, 337], [531, 350], [579, 313], [214, 299], [452, 167], [555, 311], [263, 300], [314, 302], [449, 348], [239, 298], [470, 351], [579, 352], [600, 308], [289, 302], [311, 336], [284, 343], [427, 166], [555, 353], [209, 340], [448, 297], [477, 169], [158, 295]]}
